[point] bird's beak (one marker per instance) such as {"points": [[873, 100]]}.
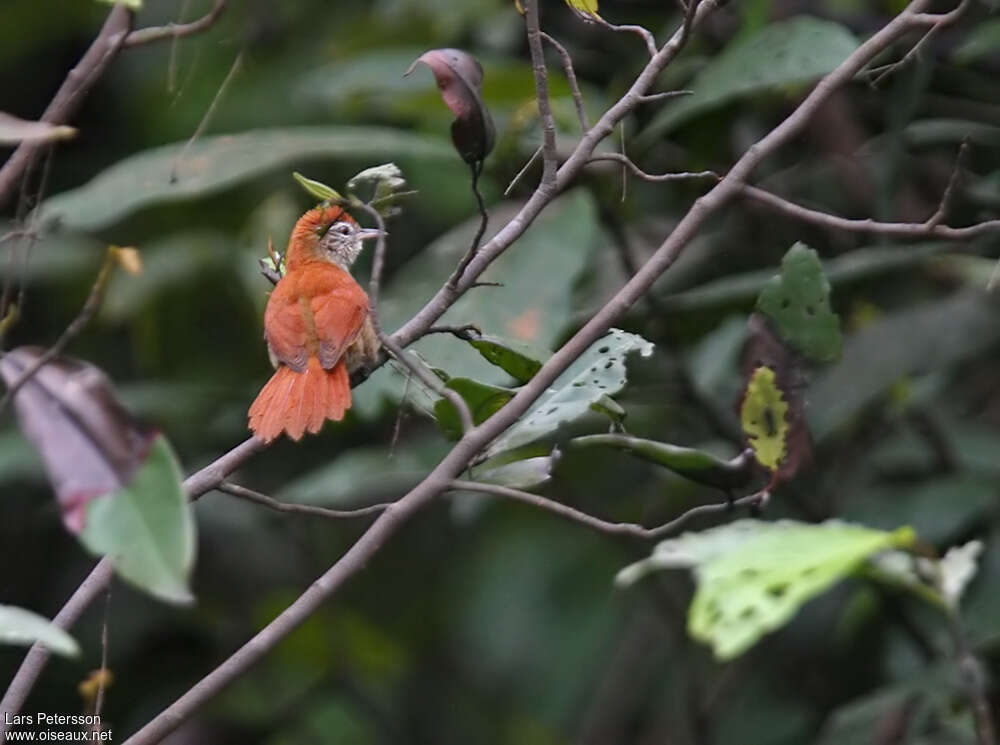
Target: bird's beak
{"points": [[367, 234]]}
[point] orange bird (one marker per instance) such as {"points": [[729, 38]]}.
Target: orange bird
{"points": [[316, 316]]}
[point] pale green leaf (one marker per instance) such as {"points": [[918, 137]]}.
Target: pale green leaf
{"points": [[764, 416], [753, 577], [22, 627], [317, 189], [146, 528], [599, 371]]}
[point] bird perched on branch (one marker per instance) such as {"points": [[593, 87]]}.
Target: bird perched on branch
{"points": [[317, 319]]}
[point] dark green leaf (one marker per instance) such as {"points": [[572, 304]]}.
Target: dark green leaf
{"points": [[696, 465], [798, 302], [173, 173], [519, 360], [484, 401]]}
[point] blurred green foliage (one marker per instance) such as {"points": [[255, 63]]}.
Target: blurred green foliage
{"points": [[483, 621]]}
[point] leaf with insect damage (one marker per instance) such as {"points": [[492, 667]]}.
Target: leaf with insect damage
{"points": [[117, 482], [765, 351], [763, 416], [753, 576], [798, 302], [460, 77]]}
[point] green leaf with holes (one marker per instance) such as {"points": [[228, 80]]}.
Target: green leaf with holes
{"points": [[484, 401], [520, 361], [798, 302], [598, 372], [752, 576]]}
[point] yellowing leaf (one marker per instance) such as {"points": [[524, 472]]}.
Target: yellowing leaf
{"points": [[585, 8], [763, 415]]}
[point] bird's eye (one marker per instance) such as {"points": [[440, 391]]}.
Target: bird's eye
{"points": [[341, 228]]}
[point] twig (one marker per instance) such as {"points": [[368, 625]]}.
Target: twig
{"points": [[973, 679], [209, 113], [944, 207], [835, 222], [631, 166], [484, 219], [663, 96], [235, 490], [524, 170], [550, 158], [425, 376], [466, 332], [574, 86], [71, 93], [634, 530], [102, 682], [641, 31], [175, 30], [90, 307]]}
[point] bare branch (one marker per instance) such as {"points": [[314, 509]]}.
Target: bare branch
{"points": [[175, 30], [524, 170], [427, 377], [641, 31], [71, 93], [574, 86], [663, 96], [550, 159], [926, 229], [631, 166], [633, 530], [235, 490]]}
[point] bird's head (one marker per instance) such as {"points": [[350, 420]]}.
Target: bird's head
{"points": [[328, 234]]}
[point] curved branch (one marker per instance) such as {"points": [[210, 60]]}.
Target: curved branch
{"points": [[176, 30], [633, 530], [235, 490]]}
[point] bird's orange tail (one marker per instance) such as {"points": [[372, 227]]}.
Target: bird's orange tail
{"points": [[299, 402]]}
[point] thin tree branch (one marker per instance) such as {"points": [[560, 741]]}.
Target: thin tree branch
{"points": [[71, 93], [235, 490], [633, 530], [175, 30], [209, 113], [550, 159], [641, 31], [90, 307], [663, 96], [631, 166], [427, 377], [574, 86], [897, 229], [524, 169], [484, 219]]}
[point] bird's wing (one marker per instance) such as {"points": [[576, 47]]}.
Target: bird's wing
{"points": [[285, 327], [339, 313]]}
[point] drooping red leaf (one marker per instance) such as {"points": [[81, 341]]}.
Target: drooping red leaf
{"points": [[460, 77], [89, 443]]}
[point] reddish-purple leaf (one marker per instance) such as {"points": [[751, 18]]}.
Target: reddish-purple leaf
{"points": [[460, 77], [89, 443]]}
